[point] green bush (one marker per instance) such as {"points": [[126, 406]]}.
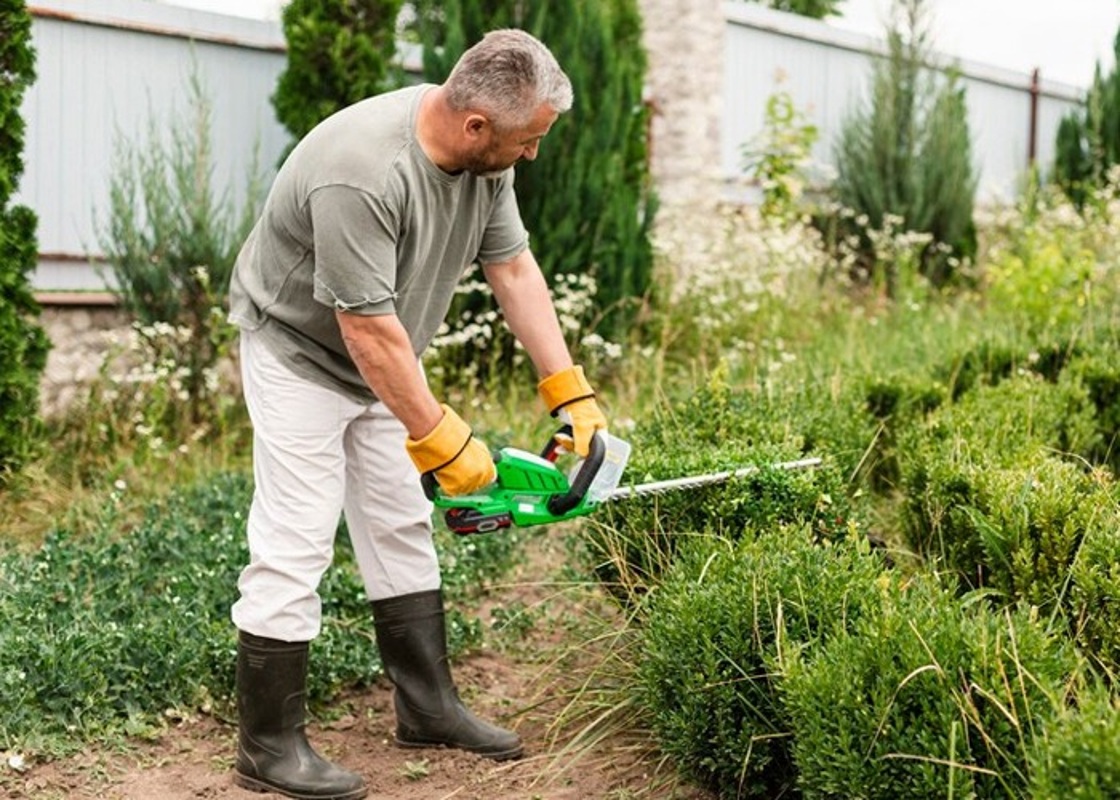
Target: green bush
{"points": [[104, 631], [926, 698], [991, 361], [1099, 373], [719, 633], [897, 403], [714, 430], [1094, 594], [1088, 139], [906, 157], [23, 343], [985, 501], [339, 52], [1079, 756]]}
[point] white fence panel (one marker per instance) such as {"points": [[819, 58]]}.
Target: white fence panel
{"points": [[827, 72], [108, 69]]}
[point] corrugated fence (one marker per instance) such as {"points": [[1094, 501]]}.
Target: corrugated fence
{"points": [[108, 68]]}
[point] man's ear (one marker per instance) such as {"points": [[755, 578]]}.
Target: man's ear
{"points": [[475, 125]]}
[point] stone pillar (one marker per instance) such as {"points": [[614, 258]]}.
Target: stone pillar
{"points": [[685, 49], [684, 42]]}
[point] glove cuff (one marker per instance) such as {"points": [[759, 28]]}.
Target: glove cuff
{"points": [[443, 445], [564, 388]]}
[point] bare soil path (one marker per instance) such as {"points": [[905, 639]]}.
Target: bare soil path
{"points": [[517, 680]]}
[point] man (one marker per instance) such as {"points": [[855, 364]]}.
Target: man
{"points": [[342, 284]]}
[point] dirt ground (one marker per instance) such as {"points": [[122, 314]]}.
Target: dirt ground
{"points": [[519, 681]]}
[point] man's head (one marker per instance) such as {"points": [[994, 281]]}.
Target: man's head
{"points": [[509, 89]]}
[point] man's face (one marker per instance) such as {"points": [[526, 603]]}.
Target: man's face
{"points": [[498, 150]]}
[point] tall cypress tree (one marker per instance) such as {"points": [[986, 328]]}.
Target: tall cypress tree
{"points": [[907, 152], [1088, 141], [339, 52], [587, 200], [23, 344]]}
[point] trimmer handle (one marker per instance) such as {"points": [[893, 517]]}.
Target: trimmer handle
{"points": [[563, 503], [557, 504]]}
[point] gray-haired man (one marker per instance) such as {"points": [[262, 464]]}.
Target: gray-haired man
{"points": [[342, 284]]}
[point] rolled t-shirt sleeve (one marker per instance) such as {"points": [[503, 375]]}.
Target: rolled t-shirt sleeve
{"points": [[355, 250], [505, 235]]}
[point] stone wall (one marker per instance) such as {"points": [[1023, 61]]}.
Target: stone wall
{"points": [[82, 336]]}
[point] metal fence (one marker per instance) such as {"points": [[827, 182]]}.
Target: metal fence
{"points": [[1013, 118], [108, 69]]}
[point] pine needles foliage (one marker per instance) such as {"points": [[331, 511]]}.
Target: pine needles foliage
{"points": [[587, 200], [1088, 139], [339, 52], [23, 343], [906, 154]]}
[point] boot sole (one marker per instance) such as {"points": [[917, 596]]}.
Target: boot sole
{"points": [[257, 785], [501, 755]]}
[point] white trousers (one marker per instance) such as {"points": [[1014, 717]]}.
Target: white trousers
{"points": [[318, 454]]}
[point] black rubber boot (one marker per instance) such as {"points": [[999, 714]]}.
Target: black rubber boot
{"points": [[412, 637], [273, 754]]}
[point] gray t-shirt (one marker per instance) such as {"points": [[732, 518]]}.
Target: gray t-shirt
{"points": [[360, 219]]}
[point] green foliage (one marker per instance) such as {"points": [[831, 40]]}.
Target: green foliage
{"points": [[777, 159], [719, 632], [1088, 138], [1099, 373], [23, 343], [339, 52], [712, 431], [171, 241], [587, 199], [817, 9], [1045, 284], [924, 699], [1094, 593], [905, 159], [105, 631], [984, 499], [1079, 758]]}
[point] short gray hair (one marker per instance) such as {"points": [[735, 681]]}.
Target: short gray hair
{"points": [[508, 76]]}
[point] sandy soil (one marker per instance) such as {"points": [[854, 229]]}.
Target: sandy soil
{"points": [[518, 681]]}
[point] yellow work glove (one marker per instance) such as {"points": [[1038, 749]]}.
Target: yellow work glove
{"points": [[460, 462], [570, 399]]}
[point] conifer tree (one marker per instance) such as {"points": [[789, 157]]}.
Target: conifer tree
{"points": [[1088, 140], [587, 199], [907, 151], [339, 52], [23, 343]]}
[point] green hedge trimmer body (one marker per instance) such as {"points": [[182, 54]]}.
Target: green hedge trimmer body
{"points": [[532, 490]]}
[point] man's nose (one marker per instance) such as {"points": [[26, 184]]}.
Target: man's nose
{"points": [[530, 152]]}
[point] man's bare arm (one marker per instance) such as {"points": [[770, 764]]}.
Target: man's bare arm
{"points": [[383, 354], [522, 293]]}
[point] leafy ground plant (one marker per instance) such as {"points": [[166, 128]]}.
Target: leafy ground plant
{"points": [[106, 631]]}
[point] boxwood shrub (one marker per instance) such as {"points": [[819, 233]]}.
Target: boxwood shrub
{"points": [[928, 698], [714, 430], [983, 482], [719, 633], [1079, 756]]}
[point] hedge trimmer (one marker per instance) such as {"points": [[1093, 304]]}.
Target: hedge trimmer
{"points": [[532, 490]]}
